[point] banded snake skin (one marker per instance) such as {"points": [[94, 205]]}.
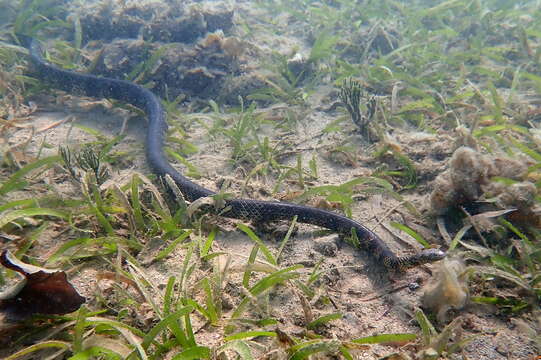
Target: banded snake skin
{"points": [[248, 209]]}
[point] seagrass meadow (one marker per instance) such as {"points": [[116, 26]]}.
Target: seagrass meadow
{"points": [[420, 120]]}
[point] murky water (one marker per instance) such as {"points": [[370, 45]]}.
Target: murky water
{"points": [[418, 119]]}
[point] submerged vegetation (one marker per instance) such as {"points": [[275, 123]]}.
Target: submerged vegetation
{"points": [[350, 95], [448, 94]]}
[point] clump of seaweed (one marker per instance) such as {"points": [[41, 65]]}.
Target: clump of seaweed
{"points": [[68, 160], [299, 66], [461, 183], [86, 160], [470, 178], [522, 197], [490, 195], [174, 69], [350, 95], [448, 289]]}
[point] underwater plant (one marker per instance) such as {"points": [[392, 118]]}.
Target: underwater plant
{"points": [[350, 95], [87, 160]]}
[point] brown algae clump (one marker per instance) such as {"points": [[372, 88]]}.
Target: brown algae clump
{"points": [[447, 290], [461, 183], [474, 177]]}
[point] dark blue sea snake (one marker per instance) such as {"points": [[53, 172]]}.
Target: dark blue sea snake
{"points": [[248, 209]]}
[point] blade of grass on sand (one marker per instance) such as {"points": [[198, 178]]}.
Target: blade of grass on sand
{"points": [[323, 320], [37, 347], [306, 349], [168, 296], [248, 271], [286, 238], [193, 353], [168, 321], [386, 339], [266, 283], [265, 250], [239, 346], [17, 214], [172, 246], [411, 233], [249, 335], [15, 181]]}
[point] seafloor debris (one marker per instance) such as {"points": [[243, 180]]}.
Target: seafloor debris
{"points": [[177, 68], [42, 291], [120, 57], [373, 39], [447, 290], [182, 48], [152, 20], [299, 66], [470, 179]]}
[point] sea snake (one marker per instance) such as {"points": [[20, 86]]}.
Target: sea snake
{"points": [[248, 209]]}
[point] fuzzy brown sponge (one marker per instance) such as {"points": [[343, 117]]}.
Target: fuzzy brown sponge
{"points": [[461, 183], [468, 180], [468, 171], [522, 197], [447, 290]]}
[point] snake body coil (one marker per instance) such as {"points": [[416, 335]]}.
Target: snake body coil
{"points": [[144, 99]]}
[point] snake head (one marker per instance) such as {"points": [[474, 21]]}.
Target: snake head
{"points": [[423, 257], [431, 255]]}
